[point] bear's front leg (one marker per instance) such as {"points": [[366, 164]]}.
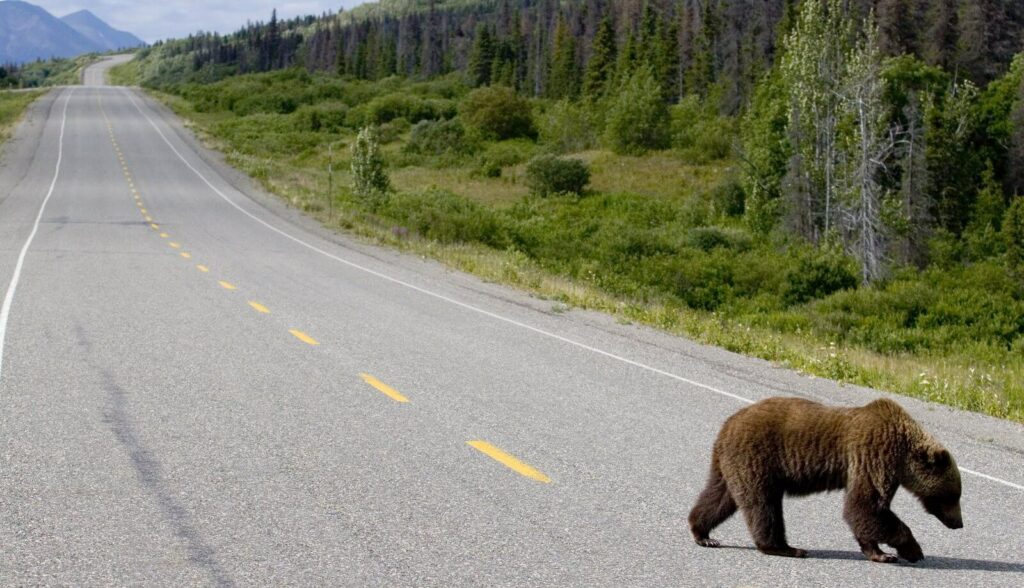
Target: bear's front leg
{"points": [[872, 523]]}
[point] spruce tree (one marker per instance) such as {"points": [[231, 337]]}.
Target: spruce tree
{"points": [[564, 76], [481, 59], [601, 67]]}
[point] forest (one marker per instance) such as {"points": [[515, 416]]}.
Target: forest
{"points": [[835, 185]]}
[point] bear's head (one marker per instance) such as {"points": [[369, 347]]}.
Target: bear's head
{"points": [[933, 477]]}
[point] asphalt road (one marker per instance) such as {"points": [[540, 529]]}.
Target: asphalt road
{"points": [[199, 386]]}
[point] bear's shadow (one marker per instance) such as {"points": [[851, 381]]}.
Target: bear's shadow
{"points": [[932, 562]]}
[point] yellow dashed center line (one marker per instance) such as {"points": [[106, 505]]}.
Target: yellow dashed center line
{"points": [[155, 226], [259, 307], [383, 388], [164, 235], [203, 269], [508, 461], [186, 255], [303, 337], [175, 245], [226, 285]]}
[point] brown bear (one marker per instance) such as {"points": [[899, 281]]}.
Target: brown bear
{"points": [[794, 446]]}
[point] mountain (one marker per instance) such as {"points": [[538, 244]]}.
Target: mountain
{"points": [[28, 32], [100, 33]]}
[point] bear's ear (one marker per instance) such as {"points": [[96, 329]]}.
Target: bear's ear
{"points": [[937, 458]]}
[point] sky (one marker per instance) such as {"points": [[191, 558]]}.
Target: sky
{"points": [[153, 20]]}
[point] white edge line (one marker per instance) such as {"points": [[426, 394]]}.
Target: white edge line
{"points": [[992, 478], [468, 306], [5, 310]]}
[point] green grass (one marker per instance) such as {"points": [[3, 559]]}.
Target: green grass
{"points": [[657, 239], [126, 74], [12, 106]]}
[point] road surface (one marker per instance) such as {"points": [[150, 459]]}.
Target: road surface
{"points": [[201, 387]]}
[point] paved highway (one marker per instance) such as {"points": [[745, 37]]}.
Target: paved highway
{"points": [[201, 387]]}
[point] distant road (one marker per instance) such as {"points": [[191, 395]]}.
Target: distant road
{"points": [[96, 74], [200, 387]]}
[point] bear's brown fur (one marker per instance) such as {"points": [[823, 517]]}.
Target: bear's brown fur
{"points": [[793, 446]]}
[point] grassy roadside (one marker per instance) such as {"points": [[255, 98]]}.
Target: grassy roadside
{"points": [[126, 74], [970, 375], [12, 107]]}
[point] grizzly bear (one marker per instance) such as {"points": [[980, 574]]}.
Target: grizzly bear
{"points": [[793, 446]]}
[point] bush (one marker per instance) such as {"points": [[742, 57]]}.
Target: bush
{"points": [[442, 216], [1013, 236], [401, 105], [729, 199], [710, 238], [437, 138], [568, 127], [547, 174], [497, 113], [389, 132], [700, 133], [638, 119], [818, 273], [327, 117], [501, 155]]}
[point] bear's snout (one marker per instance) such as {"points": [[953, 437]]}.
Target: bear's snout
{"points": [[951, 518]]}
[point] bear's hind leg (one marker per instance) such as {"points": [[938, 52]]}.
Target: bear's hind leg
{"points": [[714, 505], [768, 528]]}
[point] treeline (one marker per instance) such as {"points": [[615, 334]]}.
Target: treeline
{"points": [[42, 73], [717, 46]]}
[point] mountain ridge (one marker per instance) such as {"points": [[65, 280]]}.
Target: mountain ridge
{"points": [[99, 32], [29, 32]]}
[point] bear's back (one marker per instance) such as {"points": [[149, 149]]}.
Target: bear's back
{"points": [[792, 443]]}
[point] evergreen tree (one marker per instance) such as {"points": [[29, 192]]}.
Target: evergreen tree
{"points": [[627, 61], [701, 72], [564, 76], [665, 57], [481, 59], [601, 67]]}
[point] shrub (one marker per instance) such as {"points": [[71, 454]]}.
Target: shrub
{"points": [[638, 119], [442, 216], [700, 133], [402, 105], [818, 273], [496, 112], [369, 180], [437, 138], [265, 102], [568, 127], [501, 155], [389, 132], [548, 174], [729, 199], [709, 238], [328, 117], [1013, 235]]}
